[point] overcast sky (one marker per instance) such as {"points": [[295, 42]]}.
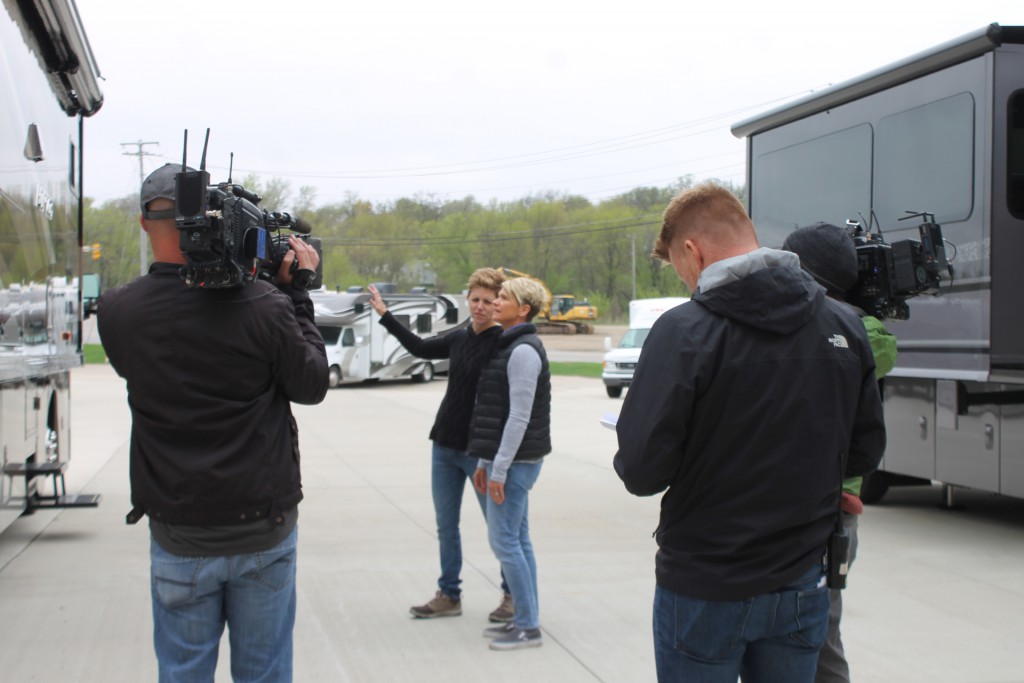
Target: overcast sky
{"points": [[394, 98]]}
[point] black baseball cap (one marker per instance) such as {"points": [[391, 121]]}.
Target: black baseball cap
{"points": [[160, 184]]}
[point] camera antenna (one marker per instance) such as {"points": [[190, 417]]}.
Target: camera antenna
{"points": [[928, 217], [873, 221], [231, 165], [184, 152], [206, 143]]}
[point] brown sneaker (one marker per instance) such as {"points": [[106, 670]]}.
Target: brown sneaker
{"points": [[440, 606], [504, 613]]}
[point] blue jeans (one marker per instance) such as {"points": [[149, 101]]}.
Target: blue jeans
{"points": [[508, 531], [449, 471], [771, 638], [194, 597]]}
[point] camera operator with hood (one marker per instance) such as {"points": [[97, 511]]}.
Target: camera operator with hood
{"points": [[827, 253], [214, 458]]}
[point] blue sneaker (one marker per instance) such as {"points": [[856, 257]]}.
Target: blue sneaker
{"points": [[517, 639], [498, 631]]}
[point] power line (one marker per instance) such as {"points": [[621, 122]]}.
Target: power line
{"points": [[558, 154]]}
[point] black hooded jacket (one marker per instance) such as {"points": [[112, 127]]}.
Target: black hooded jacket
{"points": [[746, 404]]}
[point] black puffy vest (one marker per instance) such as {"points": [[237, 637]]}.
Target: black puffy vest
{"points": [[492, 401]]}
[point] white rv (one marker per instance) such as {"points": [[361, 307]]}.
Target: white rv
{"points": [[359, 348], [620, 362]]}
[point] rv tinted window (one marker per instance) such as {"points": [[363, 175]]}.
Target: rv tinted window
{"points": [[423, 323], [348, 338], [824, 179], [330, 334], [1015, 156], [925, 162]]}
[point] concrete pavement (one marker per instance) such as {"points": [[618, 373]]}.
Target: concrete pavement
{"points": [[935, 595]]}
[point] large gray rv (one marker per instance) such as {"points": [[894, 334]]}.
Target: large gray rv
{"points": [[49, 83], [941, 132]]}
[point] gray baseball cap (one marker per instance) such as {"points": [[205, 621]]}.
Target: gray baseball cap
{"points": [[160, 183]]}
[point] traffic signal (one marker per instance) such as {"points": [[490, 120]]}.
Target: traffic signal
{"points": [[96, 251]]}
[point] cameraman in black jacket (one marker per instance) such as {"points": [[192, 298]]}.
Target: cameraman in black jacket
{"points": [[214, 457]]}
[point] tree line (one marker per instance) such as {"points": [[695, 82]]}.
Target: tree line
{"points": [[574, 245]]}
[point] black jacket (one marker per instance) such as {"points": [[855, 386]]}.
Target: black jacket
{"points": [[744, 404], [492, 402], [468, 352], [210, 374]]}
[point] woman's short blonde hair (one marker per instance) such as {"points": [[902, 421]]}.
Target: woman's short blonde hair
{"points": [[486, 278], [524, 290]]}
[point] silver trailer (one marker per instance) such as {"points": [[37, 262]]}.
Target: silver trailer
{"points": [[940, 132], [48, 85], [359, 349]]}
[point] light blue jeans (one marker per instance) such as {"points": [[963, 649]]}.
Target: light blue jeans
{"points": [[508, 531], [770, 638], [449, 471], [194, 597]]}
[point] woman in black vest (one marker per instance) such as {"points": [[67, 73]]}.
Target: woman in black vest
{"points": [[468, 350], [510, 433]]}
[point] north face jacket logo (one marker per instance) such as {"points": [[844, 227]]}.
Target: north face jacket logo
{"points": [[839, 341]]}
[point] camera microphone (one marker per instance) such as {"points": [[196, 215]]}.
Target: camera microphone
{"points": [[240, 191], [284, 219]]}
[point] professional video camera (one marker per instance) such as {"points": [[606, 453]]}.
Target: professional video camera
{"points": [[889, 274], [226, 238]]}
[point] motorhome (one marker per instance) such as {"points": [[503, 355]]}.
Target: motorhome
{"points": [[939, 133], [360, 349], [49, 84], [620, 362]]}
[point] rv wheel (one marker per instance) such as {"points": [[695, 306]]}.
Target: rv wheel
{"points": [[425, 374], [613, 392], [334, 377]]}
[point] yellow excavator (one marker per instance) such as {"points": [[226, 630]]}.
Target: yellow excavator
{"points": [[562, 313]]}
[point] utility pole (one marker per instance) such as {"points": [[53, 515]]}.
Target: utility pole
{"points": [[632, 242], [140, 152]]}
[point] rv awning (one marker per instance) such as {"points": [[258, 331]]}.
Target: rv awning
{"points": [[53, 31], [940, 57]]}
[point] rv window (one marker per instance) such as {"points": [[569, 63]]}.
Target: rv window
{"points": [[423, 323], [925, 162], [404, 319], [1015, 156], [824, 179], [330, 334], [348, 338]]}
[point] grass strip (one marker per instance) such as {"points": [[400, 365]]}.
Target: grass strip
{"points": [[575, 369]]}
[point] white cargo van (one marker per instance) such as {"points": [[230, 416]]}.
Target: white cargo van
{"points": [[620, 362]]}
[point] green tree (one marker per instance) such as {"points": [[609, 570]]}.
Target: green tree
{"points": [[576, 246]]}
